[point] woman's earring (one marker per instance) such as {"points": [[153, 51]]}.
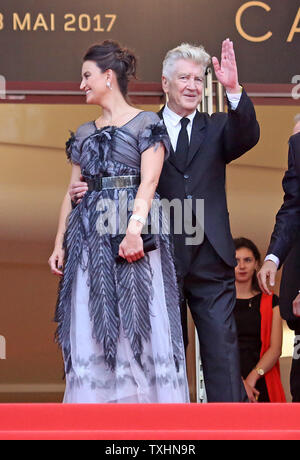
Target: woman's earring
{"points": [[108, 84]]}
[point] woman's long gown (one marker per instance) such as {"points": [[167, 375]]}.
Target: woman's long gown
{"points": [[119, 324]]}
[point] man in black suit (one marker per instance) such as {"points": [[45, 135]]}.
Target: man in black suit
{"points": [[289, 302], [284, 248], [202, 146], [206, 271]]}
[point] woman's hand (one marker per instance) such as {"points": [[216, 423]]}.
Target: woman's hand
{"points": [[252, 392], [250, 383], [56, 261], [131, 248]]}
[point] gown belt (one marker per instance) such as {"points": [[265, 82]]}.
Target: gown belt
{"points": [[109, 182]]}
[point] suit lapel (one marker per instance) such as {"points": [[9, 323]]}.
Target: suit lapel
{"points": [[197, 136], [173, 159], [160, 113], [172, 156]]}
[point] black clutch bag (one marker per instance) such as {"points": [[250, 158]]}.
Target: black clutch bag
{"points": [[150, 243]]}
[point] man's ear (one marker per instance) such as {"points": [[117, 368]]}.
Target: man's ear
{"points": [[165, 84]]}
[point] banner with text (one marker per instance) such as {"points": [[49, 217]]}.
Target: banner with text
{"points": [[45, 41]]}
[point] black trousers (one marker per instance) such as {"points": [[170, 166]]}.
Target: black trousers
{"points": [[207, 285], [295, 370]]}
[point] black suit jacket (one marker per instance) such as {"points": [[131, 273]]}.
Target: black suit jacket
{"points": [[290, 285], [215, 141], [287, 224], [285, 239]]}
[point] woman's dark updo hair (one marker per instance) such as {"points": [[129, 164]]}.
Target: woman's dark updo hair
{"points": [[248, 244], [110, 55]]}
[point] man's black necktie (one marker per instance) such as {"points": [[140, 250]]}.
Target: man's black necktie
{"points": [[182, 147]]}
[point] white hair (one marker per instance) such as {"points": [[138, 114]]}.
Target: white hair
{"points": [[297, 118], [197, 54]]}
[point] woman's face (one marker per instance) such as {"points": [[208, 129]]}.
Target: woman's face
{"points": [[246, 265], [94, 82]]}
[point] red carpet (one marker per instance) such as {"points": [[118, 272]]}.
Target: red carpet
{"points": [[150, 422]]}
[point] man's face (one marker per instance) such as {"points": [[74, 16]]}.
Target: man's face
{"points": [[185, 87]]}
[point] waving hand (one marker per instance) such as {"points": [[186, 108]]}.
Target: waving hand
{"points": [[226, 71]]}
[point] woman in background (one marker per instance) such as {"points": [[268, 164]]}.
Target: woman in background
{"points": [[259, 328]]}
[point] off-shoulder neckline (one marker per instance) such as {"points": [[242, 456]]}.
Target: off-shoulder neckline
{"points": [[119, 127]]}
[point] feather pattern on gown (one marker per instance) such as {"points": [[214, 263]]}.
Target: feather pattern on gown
{"points": [[118, 292]]}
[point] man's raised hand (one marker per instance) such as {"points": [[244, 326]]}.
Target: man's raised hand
{"points": [[226, 71]]}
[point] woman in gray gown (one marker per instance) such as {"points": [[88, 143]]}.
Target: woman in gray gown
{"points": [[118, 318]]}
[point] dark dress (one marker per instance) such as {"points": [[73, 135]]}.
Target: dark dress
{"points": [[118, 323], [248, 321]]}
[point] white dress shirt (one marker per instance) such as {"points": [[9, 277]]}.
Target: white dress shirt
{"points": [[172, 120], [273, 258], [173, 125]]}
